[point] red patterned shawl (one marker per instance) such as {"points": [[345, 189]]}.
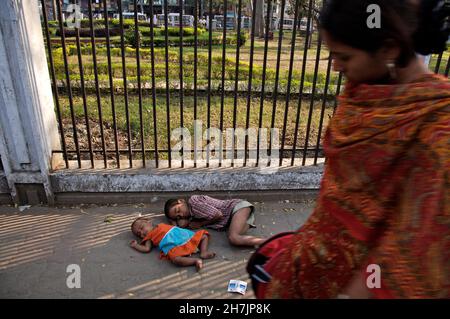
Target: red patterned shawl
{"points": [[384, 197]]}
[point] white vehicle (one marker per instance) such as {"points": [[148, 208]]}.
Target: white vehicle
{"points": [[288, 24], [246, 22], [304, 25], [230, 22], [173, 20], [130, 15]]}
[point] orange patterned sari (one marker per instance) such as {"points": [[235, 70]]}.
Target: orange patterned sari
{"points": [[384, 197]]}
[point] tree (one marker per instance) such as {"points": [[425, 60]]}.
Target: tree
{"points": [[259, 18], [304, 5]]}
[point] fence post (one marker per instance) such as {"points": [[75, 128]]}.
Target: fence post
{"points": [[28, 126]]}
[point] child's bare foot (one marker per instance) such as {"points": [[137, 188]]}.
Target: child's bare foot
{"points": [[207, 255], [198, 264]]}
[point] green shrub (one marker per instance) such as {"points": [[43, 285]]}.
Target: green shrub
{"points": [[127, 23], [97, 23], [175, 31], [53, 23], [86, 32], [243, 38], [131, 39]]}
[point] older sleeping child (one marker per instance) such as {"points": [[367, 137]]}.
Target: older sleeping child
{"points": [[175, 243], [236, 215]]}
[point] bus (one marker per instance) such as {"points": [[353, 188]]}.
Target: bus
{"points": [[288, 24], [173, 20], [130, 16], [304, 25], [230, 22], [246, 22]]}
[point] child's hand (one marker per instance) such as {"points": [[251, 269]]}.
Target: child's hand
{"points": [[133, 243]]}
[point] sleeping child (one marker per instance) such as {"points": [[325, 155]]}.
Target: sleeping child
{"points": [[176, 244], [234, 215]]}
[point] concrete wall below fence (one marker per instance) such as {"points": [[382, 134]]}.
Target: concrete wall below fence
{"points": [[147, 185], [77, 198]]}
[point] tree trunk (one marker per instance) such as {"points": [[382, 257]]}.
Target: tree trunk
{"points": [[55, 15], [259, 18], [272, 5]]}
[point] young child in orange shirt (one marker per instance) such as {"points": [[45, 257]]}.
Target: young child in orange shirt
{"points": [[175, 243]]}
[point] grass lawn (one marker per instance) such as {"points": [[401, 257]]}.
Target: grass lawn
{"points": [[188, 118]]}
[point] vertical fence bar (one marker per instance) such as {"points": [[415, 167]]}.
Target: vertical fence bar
{"points": [[138, 64], [69, 87], [236, 75], [277, 75], [54, 82], [125, 84], [111, 84], [302, 80], [181, 78], [263, 82], [195, 75], [97, 88], [322, 111], [311, 105], [288, 89], [152, 63], [447, 68], [250, 77], [209, 82], [222, 95], [338, 90], [166, 37], [83, 95], [438, 63]]}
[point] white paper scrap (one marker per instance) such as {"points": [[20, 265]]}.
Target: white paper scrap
{"points": [[237, 286]]}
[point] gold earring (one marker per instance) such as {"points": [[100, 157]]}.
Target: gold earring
{"points": [[392, 70]]}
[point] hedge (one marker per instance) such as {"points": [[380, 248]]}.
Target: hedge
{"points": [[159, 41], [86, 32], [188, 71]]}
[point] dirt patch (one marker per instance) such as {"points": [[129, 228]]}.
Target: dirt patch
{"points": [[96, 139]]}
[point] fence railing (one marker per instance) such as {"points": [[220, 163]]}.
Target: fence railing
{"points": [[132, 93]]}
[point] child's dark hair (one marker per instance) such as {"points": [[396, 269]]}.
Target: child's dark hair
{"points": [[136, 220], [416, 28], [169, 204]]}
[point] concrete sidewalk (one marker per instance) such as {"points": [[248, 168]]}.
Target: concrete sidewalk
{"points": [[37, 245]]}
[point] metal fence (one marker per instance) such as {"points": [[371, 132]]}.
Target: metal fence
{"points": [[122, 86]]}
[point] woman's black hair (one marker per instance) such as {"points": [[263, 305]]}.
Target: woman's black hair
{"points": [[416, 28]]}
